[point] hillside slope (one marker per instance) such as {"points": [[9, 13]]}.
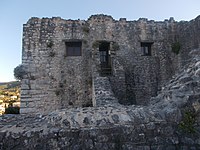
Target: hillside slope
{"points": [[11, 84]]}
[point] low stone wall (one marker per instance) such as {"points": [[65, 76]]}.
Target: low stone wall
{"points": [[97, 128], [157, 135]]}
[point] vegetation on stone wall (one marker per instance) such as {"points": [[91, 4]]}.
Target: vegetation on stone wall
{"points": [[85, 42], [88, 104], [176, 46], [19, 72], [57, 92], [188, 121], [50, 44], [52, 54], [95, 44], [12, 110], [115, 46], [86, 28]]}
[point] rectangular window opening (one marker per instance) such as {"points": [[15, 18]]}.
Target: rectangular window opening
{"points": [[104, 54], [105, 59], [146, 48], [73, 48]]}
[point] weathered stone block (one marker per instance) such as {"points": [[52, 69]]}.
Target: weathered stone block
{"points": [[27, 110]]}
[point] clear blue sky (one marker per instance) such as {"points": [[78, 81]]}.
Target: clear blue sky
{"points": [[14, 13]]}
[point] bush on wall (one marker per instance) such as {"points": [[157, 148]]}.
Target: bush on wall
{"points": [[19, 72], [12, 110], [176, 47]]}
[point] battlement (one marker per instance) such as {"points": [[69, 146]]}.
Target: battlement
{"points": [[98, 18]]}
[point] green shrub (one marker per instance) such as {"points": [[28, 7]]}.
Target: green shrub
{"points": [[57, 92], [50, 44], [115, 46], [95, 44], [19, 72], [52, 54], [176, 47], [12, 110], [86, 29], [87, 104], [188, 121]]}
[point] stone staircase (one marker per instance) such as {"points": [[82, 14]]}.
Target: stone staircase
{"points": [[103, 94]]}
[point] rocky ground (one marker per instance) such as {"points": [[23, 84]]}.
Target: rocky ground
{"points": [[170, 121]]}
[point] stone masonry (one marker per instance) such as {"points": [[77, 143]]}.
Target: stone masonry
{"points": [[104, 84], [120, 61], [171, 121]]}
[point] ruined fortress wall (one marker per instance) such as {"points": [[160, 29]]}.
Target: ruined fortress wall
{"points": [[56, 81], [170, 122], [188, 35]]}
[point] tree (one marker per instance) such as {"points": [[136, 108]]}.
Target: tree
{"points": [[12, 110], [19, 72]]}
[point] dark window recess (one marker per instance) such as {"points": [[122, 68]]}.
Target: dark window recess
{"points": [[103, 56], [146, 48], [105, 59], [73, 48]]}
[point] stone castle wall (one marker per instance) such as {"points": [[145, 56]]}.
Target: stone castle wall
{"points": [[170, 122], [56, 81]]}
